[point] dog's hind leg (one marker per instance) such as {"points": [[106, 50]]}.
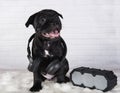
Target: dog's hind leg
{"points": [[61, 75]]}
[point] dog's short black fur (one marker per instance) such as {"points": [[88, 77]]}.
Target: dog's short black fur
{"points": [[47, 46]]}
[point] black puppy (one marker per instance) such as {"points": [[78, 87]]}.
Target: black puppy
{"points": [[48, 48]]}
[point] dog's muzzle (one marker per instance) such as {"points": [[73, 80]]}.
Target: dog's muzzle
{"points": [[52, 34]]}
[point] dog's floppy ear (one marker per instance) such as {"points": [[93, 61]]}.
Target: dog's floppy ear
{"points": [[30, 20], [60, 15]]}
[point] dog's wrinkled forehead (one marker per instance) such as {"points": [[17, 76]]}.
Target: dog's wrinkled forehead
{"points": [[43, 17], [50, 13]]}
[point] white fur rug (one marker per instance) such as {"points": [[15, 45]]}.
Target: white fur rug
{"points": [[21, 81]]}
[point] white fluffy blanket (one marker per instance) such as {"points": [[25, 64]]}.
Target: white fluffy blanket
{"points": [[21, 81]]}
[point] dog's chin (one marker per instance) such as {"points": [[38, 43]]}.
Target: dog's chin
{"points": [[52, 34]]}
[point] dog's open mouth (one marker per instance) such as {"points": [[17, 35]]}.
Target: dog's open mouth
{"points": [[52, 34]]}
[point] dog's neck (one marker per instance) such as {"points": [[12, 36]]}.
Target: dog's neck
{"points": [[46, 45]]}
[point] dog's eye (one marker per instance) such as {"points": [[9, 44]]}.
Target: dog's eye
{"points": [[42, 21]]}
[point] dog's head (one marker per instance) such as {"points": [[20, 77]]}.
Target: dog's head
{"points": [[46, 23]]}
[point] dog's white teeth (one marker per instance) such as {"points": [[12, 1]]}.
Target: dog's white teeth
{"points": [[47, 34], [52, 34], [56, 31]]}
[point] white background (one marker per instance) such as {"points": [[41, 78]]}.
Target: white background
{"points": [[91, 29]]}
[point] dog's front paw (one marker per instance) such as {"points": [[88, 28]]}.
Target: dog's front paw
{"points": [[35, 88], [67, 79], [63, 80]]}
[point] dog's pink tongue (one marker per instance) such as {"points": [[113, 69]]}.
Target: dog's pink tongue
{"points": [[54, 34]]}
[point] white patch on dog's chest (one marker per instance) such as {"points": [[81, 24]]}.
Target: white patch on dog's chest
{"points": [[47, 53]]}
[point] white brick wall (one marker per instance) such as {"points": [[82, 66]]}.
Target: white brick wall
{"points": [[91, 29]]}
